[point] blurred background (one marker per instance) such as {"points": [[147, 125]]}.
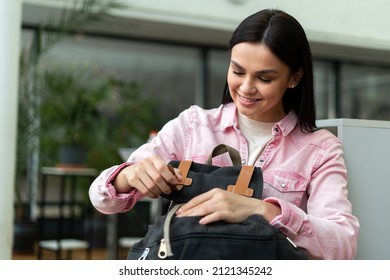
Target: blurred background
{"points": [[83, 87]]}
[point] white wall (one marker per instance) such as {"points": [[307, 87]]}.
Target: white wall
{"points": [[346, 29], [349, 22], [366, 154], [10, 12]]}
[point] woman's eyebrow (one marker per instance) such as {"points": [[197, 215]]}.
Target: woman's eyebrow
{"points": [[264, 71]]}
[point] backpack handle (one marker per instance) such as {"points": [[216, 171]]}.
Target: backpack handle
{"points": [[220, 149]]}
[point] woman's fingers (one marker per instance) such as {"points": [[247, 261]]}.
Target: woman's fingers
{"points": [[152, 177], [217, 205]]}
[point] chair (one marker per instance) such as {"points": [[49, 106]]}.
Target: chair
{"points": [[132, 226], [124, 245], [62, 212]]}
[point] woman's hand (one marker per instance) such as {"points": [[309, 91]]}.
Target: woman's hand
{"points": [[218, 204], [150, 176]]}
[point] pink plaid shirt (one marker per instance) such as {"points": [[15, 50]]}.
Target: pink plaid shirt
{"points": [[304, 173]]}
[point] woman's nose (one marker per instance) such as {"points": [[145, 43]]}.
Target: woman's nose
{"points": [[248, 86]]}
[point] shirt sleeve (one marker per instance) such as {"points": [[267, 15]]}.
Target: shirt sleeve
{"points": [[328, 230], [168, 144], [103, 194]]}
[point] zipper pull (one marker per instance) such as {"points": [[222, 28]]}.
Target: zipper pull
{"points": [[292, 243], [144, 254], [162, 251]]}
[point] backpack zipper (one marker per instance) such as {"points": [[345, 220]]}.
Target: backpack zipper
{"points": [[144, 254]]}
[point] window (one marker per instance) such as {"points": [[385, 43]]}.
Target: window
{"points": [[218, 67], [178, 76], [165, 73], [365, 92]]}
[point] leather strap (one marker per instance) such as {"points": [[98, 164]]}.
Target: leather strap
{"points": [[184, 167], [242, 184]]}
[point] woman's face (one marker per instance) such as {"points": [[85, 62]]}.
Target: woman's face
{"points": [[257, 81]]}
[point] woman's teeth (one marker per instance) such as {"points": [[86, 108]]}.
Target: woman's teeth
{"points": [[248, 99]]}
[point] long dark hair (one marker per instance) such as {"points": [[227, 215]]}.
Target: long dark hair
{"points": [[286, 39]]}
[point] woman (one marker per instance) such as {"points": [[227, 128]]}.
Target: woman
{"points": [[268, 115]]}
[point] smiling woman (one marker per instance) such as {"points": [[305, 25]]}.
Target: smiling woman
{"points": [[267, 113], [257, 81]]}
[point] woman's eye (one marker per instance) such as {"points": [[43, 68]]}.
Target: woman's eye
{"points": [[265, 80], [238, 73], [262, 79]]}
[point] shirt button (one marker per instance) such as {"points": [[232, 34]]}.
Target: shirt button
{"points": [[243, 162], [262, 160], [283, 185]]}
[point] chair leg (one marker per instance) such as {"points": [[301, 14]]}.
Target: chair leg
{"points": [[89, 253], [39, 253], [58, 254], [69, 254]]}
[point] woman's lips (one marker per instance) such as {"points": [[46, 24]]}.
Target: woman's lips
{"points": [[248, 101]]}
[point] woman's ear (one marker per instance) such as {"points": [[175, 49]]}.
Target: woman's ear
{"points": [[295, 78]]}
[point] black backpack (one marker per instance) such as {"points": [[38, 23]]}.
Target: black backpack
{"points": [[183, 238]]}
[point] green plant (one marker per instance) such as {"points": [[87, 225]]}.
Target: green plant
{"points": [[129, 119], [69, 109], [45, 37], [81, 108]]}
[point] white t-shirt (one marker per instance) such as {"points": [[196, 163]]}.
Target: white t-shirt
{"points": [[257, 134]]}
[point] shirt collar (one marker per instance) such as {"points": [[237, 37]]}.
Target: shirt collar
{"points": [[229, 118], [285, 125]]}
